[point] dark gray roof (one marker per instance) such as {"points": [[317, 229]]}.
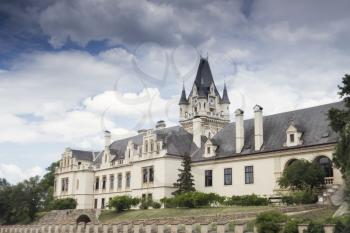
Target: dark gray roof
{"points": [[176, 141], [313, 122], [225, 99], [204, 79], [83, 155]]}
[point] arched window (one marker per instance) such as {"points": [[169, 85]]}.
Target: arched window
{"points": [[326, 164], [290, 162]]}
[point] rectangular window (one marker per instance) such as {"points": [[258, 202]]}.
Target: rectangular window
{"points": [[208, 150], [104, 180], [291, 136], [64, 184], [111, 182], [55, 186], [144, 175], [149, 197], [120, 177], [249, 174], [95, 204], [208, 178], [97, 183], [128, 178], [151, 174], [102, 203], [228, 176], [143, 196], [77, 184], [147, 174]]}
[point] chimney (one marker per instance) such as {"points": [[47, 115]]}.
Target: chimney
{"points": [[197, 132], [258, 127], [160, 124], [239, 130]]}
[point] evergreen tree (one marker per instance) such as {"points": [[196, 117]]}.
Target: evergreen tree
{"points": [[185, 182], [340, 123]]}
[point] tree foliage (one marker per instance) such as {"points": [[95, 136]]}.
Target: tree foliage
{"points": [[340, 123], [21, 202], [121, 203], [270, 221], [302, 175], [185, 182], [63, 204]]}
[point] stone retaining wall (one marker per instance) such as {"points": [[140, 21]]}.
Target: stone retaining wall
{"points": [[63, 217], [223, 227]]}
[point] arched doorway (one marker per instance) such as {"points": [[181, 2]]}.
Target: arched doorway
{"points": [[326, 165], [83, 218]]}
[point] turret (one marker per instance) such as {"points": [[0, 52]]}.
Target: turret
{"points": [[204, 110], [183, 103], [225, 104]]}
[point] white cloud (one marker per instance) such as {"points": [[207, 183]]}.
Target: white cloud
{"points": [[14, 174]]}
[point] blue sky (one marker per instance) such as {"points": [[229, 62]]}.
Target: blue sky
{"points": [[71, 69]]}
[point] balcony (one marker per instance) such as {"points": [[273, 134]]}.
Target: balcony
{"points": [[328, 180]]}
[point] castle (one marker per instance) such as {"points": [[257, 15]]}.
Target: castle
{"points": [[230, 158]]}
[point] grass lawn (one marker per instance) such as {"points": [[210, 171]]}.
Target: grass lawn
{"points": [[317, 215], [109, 216]]}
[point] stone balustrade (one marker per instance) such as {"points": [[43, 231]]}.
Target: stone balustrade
{"points": [[221, 227]]}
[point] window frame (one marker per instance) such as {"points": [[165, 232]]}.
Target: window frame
{"points": [[120, 180], [127, 179], [249, 174], [229, 174], [208, 178], [111, 181]]}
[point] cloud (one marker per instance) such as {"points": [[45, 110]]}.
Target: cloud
{"points": [[15, 174]]}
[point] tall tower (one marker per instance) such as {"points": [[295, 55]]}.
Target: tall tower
{"points": [[204, 112]]}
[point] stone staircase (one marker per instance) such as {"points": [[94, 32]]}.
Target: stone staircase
{"points": [[68, 217]]}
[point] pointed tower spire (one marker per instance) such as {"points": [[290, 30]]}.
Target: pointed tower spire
{"points": [[225, 99], [183, 99]]}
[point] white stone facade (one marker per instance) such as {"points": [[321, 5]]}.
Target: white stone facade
{"points": [[239, 158]]}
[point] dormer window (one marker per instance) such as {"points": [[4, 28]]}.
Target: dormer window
{"points": [[210, 148], [294, 135], [292, 138]]}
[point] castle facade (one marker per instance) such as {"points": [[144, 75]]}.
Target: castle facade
{"points": [[230, 158]]}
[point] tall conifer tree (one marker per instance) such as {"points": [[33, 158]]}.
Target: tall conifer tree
{"points": [[185, 182]]}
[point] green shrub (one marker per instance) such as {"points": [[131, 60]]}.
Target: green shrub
{"points": [[301, 197], [63, 204], [156, 205], [168, 202], [247, 200], [121, 203], [270, 222], [291, 226], [192, 200], [315, 228], [342, 224], [145, 204]]}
